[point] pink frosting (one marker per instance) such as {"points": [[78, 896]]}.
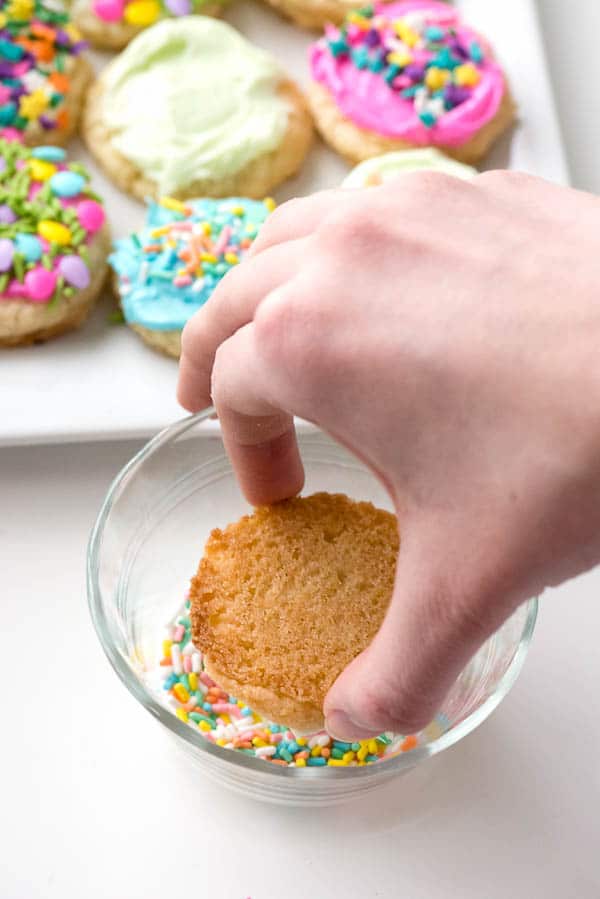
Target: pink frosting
{"points": [[364, 97]]}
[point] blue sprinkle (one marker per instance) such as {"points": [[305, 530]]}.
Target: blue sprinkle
{"points": [[293, 747], [183, 679], [341, 744], [316, 761], [170, 681], [476, 52], [207, 706], [427, 118], [285, 754], [434, 33], [372, 758]]}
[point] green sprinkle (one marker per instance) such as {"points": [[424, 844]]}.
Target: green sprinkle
{"points": [[3, 282], [18, 263]]}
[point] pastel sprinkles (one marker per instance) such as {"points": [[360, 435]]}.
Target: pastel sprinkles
{"points": [[198, 701]]}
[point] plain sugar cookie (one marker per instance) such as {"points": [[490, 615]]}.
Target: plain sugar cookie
{"points": [[286, 597]]}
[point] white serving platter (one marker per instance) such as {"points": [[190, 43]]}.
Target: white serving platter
{"points": [[101, 382]]}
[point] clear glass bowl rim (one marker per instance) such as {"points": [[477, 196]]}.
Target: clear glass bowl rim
{"points": [[196, 741]]}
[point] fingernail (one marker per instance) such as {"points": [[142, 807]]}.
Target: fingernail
{"points": [[341, 727]]}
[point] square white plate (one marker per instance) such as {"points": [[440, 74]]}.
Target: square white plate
{"points": [[101, 382]]}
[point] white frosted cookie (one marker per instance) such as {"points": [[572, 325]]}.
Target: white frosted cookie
{"points": [[380, 169]]}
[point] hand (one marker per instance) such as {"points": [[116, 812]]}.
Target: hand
{"points": [[447, 332]]}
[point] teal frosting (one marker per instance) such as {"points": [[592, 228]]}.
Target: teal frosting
{"points": [[153, 291]]}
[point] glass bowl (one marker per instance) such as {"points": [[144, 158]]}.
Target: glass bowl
{"points": [[145, 546]]}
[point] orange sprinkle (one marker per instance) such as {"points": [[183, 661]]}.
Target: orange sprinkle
{"points": [[325, 752], [43, 31], [42, 50], [242, 744], [302, 755], [152, 248], [62, 120], [410, 743], [245, 243], [60, 82], [278, 762], [166, 662]]}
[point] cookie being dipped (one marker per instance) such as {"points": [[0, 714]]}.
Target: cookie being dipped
{"points": [[286, 597]]}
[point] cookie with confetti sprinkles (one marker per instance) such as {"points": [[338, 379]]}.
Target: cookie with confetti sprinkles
{"points": [[166, 271], [314, 14], [53, 243], [111, 24], [191, 109], [43, 74], [278, 602], [380, 169], [182, 683], [408, 74]]}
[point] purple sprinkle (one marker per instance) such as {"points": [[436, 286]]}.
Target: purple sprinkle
{"points": [[6, 69], [456, 95], [47, 123], [372, 38], [18, 91], [457, 48], [415, 72]]}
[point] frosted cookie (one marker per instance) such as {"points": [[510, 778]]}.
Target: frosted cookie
{"points": [[43, 76], [380, 169], [53, 244], [314, 14], [166, 271], [407, 74], [111, 24], [191, 109], [278, 605]]}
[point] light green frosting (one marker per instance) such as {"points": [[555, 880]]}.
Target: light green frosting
{"points": [[382, 168], [189, 99]]}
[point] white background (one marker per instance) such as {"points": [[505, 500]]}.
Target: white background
{"points": [[95, 804]]}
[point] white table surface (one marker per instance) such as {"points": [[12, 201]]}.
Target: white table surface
{"points": [[95, 804]]}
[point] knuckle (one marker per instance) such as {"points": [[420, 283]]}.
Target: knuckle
{"points": [[499, 178]]}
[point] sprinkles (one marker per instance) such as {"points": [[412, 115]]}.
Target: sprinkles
{"points": [[142, 13], [48, 216], [171, 267], [426, 64], [223, 720], [37, 43]]}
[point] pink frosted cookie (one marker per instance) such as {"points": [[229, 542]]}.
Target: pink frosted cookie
{"points": [[53, 244], [407, 74]]}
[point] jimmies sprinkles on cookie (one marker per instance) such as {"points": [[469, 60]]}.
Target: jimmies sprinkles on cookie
{"points": [[39, 60], [170, 268], [410, 72]]}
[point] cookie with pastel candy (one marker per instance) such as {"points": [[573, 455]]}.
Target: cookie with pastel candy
{"points": [[408, 74], [169, 269], [53, 243], [43, 74], [192, 109], [111, 24]]}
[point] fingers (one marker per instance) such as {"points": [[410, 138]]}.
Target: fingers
{"points": [[231, 306], [298, 218], [258, 436], [428, 636]]}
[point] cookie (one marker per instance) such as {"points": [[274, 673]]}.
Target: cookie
{"points": [[408, 74], [380, 169], [314, 14], [166, 271], [53, 244], [191, 109], [43, 74], [286, 597], [111, 24]]}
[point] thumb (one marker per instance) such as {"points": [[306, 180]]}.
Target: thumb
{"points": [[433, 626]]}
